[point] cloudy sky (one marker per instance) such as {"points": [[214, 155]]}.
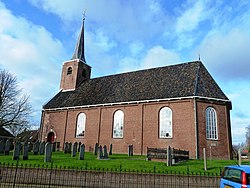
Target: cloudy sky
{"points": [[37, 36]]}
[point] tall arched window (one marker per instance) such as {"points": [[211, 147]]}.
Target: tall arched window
{"points": [[118, 124], [80, 127], [165, 128], [69, 70], [211, 123]]}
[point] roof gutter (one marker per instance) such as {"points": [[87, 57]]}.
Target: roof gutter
{"points": [[137, 102]]}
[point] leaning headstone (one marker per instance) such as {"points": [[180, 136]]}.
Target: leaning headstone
{"points": [[79, 147], [96, 149], [130, 150], [82, 151], [25, 151], [110, 149], [7, 147], [57, 146], [30, 146], [69, 148], [100, 153], [66, 145], [54, 147], [42, 148], [1, 146], [74, 148], [105, 152], [48, 152], [16, 152], [36, 147]]}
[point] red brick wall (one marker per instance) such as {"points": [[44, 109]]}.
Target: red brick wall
{"points": [[219, 148], [141, 127]]}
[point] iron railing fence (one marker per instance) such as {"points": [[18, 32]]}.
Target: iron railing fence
{"points": [[13, 175]]}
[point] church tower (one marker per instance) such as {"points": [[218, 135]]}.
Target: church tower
{"points": [[75, 71]]}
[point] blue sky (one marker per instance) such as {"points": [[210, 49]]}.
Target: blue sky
{"points": [[37, 36]]}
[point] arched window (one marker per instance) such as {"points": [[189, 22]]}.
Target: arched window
{"points": [[118, 124], [165, 128], [80, 127], [211, 123], [69, 70]]}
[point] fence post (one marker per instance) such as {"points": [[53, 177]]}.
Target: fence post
{"points": [[239, 154], [14, 183], [51, 167], [188, 175], [205, 159]]}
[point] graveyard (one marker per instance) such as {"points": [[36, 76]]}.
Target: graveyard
{"points": [[74, 156]]}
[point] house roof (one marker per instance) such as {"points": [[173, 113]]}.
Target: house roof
{"points": [[181, 80], [5, 134], [28, 136]]}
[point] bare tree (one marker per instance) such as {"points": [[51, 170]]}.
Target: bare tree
{"points": [[248, 136], [14, 107]]}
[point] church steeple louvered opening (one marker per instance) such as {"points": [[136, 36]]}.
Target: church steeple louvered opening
{"points": [[76, 71]]}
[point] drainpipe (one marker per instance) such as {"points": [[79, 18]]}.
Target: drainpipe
{"points": [[142, 128], [66, 123], [99, 128], [196, 130], [41, 126]]}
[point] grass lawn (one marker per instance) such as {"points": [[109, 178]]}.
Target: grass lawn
{"points": [[120, 162]]}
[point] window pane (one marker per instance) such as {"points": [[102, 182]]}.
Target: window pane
{"points": [[80, 128], [118, 124], [165, 130], [211, 123]]}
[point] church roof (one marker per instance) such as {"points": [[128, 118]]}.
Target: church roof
{"points": [[175, 81]]}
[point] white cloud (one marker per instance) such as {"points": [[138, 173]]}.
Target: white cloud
{"points": [[190, 19], [157, 56], [31, 53], [227, 53]]}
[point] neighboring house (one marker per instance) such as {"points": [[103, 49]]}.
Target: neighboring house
{"points": [[5, 134], [179, 106], [28, 136]]}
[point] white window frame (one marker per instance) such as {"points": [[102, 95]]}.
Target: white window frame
{"points": [[81, 125], [118, 124], [165, 123], [211, 124]]}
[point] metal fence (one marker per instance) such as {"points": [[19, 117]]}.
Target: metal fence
{"points": [[12, 175]]}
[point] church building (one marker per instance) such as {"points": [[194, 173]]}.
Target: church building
{"points": [[179, 106]]}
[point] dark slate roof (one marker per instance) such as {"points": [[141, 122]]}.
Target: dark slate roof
{"points": [[181, 80], [4, 133], [28, 136]]}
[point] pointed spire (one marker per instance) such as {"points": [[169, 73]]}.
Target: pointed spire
{"points": [[79, 50]]}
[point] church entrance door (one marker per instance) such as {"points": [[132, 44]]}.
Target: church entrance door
{"points": [[50, 137]]}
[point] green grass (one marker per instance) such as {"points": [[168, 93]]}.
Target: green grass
{"points": [[120, 162]]}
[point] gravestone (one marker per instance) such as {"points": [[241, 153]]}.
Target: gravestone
{"points": [[48, 153], [16, 152], [100, 153], [105, 152], [7, 147], [79, 146], [26, 147], [1, 146], [130, 150], [36, 147], [82, 151], [66, 145], [69, 147], [57, 146], [54, 147], [74, 148], [30, 146], [111, 149], [96, 149], [42, 148]]}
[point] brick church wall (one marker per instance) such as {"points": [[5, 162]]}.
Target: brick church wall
{"points": [[141, 127]]}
